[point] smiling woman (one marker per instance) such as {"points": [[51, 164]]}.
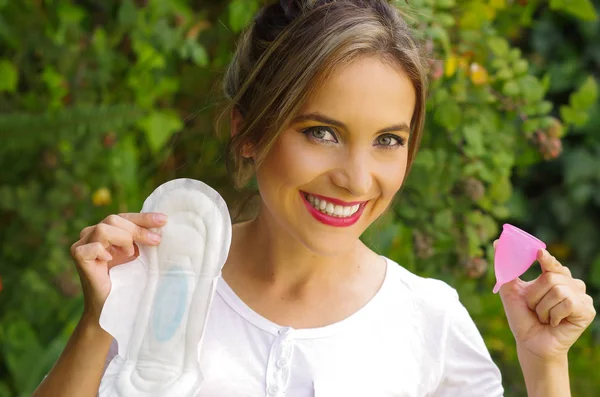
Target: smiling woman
{"points": [[327, 109]]}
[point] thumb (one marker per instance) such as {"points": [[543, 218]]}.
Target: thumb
{"points": [[550, 264], [512, 288]]}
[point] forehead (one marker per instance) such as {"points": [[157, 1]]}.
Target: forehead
{"points": [[366, 91]]}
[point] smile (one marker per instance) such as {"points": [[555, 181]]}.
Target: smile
{"points": [[333, 212]]}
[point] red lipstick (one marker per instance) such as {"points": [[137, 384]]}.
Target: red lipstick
{"points": [[333, 220]]}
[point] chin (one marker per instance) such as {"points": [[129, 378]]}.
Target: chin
{"points": [[330, 244]]}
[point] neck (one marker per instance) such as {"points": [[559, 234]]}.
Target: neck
{"points": [[270, 254]]}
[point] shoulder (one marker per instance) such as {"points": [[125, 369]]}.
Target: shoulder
{"points": [[451, 347], [428, 304], [424, 291]]}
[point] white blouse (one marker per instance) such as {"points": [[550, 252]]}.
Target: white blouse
{"points": [[412, 339]]}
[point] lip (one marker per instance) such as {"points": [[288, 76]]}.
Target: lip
{"points": [[332, 220]]}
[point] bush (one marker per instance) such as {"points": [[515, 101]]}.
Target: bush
{"points": [[102, 101]]}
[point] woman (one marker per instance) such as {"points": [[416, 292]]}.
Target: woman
{"points": [[327, 109]]}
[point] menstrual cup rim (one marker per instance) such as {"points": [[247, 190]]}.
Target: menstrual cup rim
{"points": [[511, 229]]}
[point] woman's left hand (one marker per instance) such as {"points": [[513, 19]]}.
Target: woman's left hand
{"points": [[547, 315]]}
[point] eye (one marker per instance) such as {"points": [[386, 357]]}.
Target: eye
{"points": [[324, 134], [390, 141]]}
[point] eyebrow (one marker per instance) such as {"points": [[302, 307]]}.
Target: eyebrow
{"points": [[316, 116]]}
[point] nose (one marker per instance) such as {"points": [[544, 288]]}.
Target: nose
{"points": [[354, 174]]}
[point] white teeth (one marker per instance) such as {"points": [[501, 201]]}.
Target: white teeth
{"points": [[329, 208], [332, 209], [322, 205]]}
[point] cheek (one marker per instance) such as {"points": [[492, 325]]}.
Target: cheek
{"points": [[392, 177], [288, 163]]}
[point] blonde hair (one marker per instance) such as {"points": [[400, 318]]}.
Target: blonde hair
{"points": [[291, 47]]}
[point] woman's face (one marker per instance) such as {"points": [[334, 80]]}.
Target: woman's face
{"points": [[338, 165]]}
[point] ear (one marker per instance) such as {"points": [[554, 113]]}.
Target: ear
{"points": [[236, 122]]}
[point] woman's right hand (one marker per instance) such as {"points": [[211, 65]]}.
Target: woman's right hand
{"points": [[108, 244]]}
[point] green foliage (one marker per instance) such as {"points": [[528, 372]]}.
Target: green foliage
{"points": [[580, 104], [100, 103], [583, 9], [8, 76]]}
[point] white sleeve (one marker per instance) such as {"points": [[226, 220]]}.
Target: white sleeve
{"points": [[112, 352], [467, 368]]}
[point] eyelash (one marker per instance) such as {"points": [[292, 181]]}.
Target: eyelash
{"points": [[401, 141]]}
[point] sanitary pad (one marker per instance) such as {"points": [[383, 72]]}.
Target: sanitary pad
{"points": [[158, 304]]}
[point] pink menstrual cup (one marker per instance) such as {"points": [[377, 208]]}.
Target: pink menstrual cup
{"points": [[515, 253]]}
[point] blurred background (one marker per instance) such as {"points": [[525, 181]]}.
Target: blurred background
{"points": [[101, 101]]}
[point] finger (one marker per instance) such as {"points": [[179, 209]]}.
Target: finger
{"points": [[555, 296], [146, 220], [85, 231], [495, 244], [579, 285], [109, 236], [139, 233], [537, 289], [562, 310], [86, 253], [550, 264]]}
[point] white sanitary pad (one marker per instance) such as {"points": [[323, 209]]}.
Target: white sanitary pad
{"points": [[158, 304]]}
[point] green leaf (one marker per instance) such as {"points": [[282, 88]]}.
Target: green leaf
{"points": [[521, 66], [241, 13], [21, 349], [475, 15], [4, 390], [159, 126], [445, 3], [545, 81], [595, 272], [544, 107], [8, 76], [531, 125], [573, 116], [531, 88], [582, 9], [199, 55], [474, 136], [148, 56], [425, 159], [127, 13], [449, 115], [499, 46], [586, 95], [125, 169], [439, 34], [443, 219], [69, 13], [445, 19], [501, 190], [511, 89]]}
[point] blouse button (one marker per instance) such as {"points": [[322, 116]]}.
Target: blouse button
{"points": [[273, 390], [282, 363]]}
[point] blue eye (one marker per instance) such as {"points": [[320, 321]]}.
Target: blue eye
{"points": [[324, 134], [390, 141]]}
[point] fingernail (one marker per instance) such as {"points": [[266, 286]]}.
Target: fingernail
{"points": [[160, 218], [154, 237]]}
